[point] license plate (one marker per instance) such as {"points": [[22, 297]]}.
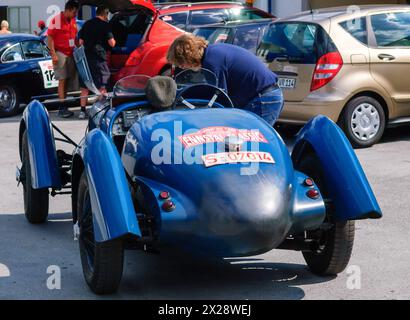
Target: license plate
{"points": [[216, 159], [287, 83]]}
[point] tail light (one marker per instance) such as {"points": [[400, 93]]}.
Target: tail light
{"points": [[327, 67]]}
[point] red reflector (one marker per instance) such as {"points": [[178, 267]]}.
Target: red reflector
{"points": [[168, 206], [164, 195], [327, 67], [313, 194], [309, 182]]}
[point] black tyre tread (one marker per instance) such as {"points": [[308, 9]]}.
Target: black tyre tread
{"points": [[337, 253], [36, 201], [16, 109], [344, 121], [106, 276]]}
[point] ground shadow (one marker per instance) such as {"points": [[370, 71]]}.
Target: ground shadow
{"points": [[172, 274]]}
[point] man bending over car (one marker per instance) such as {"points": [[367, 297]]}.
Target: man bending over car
{"points": [[248, 82], [97, 38]]}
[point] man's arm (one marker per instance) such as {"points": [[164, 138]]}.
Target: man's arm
{"points": [[51, 46]]}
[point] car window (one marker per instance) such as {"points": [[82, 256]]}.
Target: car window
{"points": [[14, 53], [357, 28], [299, 42], [209, 16], [247, 38], [33, 49], [244, 14], [392, 29], [220, 35], [178, 19]]}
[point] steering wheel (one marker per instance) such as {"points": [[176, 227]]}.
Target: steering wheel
{"points": [[204, 92]]}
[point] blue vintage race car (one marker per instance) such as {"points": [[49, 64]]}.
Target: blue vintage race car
{"points": [[184, 167]]}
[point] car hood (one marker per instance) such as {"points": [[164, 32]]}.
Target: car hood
{"points": [[120, 5]]}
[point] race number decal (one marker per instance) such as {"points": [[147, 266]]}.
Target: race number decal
{"points": [[216, 159], [47, 71]]}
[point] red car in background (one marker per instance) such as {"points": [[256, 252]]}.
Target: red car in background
{"points": [[145, 30]]}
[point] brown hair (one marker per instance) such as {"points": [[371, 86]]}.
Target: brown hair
{"points": [[187, 49]]}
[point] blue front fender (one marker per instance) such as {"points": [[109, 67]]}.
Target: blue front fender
{"points": [[113, 210], [41, 146], [347, 183]]}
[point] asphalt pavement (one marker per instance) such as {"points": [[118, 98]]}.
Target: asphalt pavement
{"points": [[379, 264]]}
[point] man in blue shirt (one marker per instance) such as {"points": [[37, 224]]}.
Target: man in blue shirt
{"points": [[248, 82]]}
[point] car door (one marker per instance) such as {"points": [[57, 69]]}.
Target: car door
{"points": [[40, 68], [390, 56]]}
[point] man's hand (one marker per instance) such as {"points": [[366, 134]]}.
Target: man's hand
{"points": [[54, 57]]}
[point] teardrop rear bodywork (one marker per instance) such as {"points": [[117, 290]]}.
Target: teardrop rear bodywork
{"points": [[229, 209]]}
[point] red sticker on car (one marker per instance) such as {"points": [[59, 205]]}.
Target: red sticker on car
{"points": [[219, 134]]}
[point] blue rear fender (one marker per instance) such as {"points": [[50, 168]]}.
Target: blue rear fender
{"points": [[113, 210], [347, 184], [41, 146]]}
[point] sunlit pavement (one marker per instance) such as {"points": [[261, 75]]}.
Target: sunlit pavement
{"points": [[381, 251]]}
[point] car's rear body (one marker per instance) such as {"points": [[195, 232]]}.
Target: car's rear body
{"points": [[326, 58]]}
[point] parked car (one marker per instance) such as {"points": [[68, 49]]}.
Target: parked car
{"points": [[144, 31], [125, 195], [246, 34], [352, 67], [26, 70]]}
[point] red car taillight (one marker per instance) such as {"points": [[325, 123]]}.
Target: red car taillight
{"points": [[327, 67]]}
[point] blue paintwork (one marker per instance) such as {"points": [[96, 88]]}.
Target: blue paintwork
{"points": [[41, 146], [113, 211], [19, 73], [219, 211], [348, 186]]}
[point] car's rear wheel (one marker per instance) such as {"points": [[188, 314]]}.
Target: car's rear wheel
{"points": [[335, 242], [36, 201], [102, 262], [9, 101], [363, 121]]}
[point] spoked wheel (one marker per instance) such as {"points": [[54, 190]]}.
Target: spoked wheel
{"points": [[102, 262], [335, 242], [35, 200]]}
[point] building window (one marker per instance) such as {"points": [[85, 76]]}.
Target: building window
{"points": [[19, 19]]}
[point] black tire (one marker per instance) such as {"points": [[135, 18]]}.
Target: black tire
{"points": [[373, 110], [36, 201], [9, 100], [102, 262], [336, 244]]}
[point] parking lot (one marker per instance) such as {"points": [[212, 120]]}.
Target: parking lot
{"points": [[381, 252]]}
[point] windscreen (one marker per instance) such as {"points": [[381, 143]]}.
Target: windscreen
{"points": [[131, 86], [190, 77]]}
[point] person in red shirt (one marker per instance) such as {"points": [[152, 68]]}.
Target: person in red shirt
{"points": [[62, 33]]}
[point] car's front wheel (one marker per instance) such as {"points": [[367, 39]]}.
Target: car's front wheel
{"points": [[9, 101], [102, 262], [363, 120], [334, 241]]}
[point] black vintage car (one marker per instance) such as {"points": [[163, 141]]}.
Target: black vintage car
{"points": [[245, 34], [26, 70]]}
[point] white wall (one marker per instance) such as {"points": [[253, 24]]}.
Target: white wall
{"points": [[38, 9]]}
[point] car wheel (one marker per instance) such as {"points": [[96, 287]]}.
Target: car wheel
{"points": [[35, 200], [334, 243], [102, 263], [363, 121], [9, 101]]}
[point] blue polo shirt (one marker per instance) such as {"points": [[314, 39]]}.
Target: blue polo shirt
{"points": [[242, 74]]}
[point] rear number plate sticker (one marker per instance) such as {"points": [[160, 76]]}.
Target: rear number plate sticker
{"points": [[287, 83], [216, 159]]}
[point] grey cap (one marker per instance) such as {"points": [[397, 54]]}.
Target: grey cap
{"points": [[161, 92]]}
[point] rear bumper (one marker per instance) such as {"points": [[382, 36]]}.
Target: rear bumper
{"points": [[302, 112]]}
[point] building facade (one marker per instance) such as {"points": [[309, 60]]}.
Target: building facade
{"points": [[23, 15]]}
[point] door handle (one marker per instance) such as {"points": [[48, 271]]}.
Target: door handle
{"points": [[386, 57]]}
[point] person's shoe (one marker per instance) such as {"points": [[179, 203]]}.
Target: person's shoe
{"points": [[65, 113], [82, 115]]}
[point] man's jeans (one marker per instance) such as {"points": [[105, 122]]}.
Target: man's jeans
{"points": [[268, 105]]}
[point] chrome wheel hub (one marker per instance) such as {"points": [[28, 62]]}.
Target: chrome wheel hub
{"points": [[7, 99], [365, 121]]}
